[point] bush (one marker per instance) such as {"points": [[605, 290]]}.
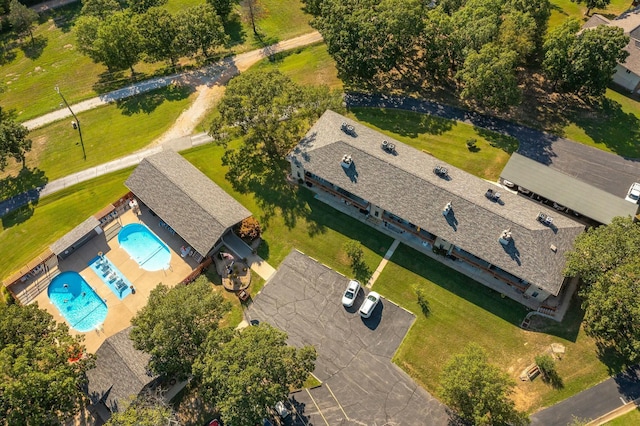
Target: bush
{"points": [[547, 367], [360, 269], [249, 229], [423, 302]]}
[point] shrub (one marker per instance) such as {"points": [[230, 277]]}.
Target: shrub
{"points": [[423, 302], [249, 228], [547, 367]]}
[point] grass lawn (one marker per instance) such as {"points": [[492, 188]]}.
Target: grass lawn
{"points": [[563, 9], [27, 232], [444, 139], [463, 311], [108, 132], [631, 418]]}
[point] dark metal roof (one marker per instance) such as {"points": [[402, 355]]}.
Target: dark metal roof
{"points": [[404, 184], [120, 372], [74, 235], [195, 207], [573, 193]]}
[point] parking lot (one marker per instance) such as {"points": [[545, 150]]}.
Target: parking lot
{"points": [[360, 383]]}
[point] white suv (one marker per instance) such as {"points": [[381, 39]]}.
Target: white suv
{"points": [[634, 193], [369, 304], [351, 293]]}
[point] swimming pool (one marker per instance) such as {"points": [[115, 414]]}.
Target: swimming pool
{"points": [[83, 309], [144, 247], [111, 276]]}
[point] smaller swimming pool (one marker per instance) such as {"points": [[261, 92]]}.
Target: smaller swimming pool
{"points": [[76, 301], [144, 247], [111, 276]]}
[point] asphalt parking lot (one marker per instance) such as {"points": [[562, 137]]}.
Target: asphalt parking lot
{"points": [[361, 386]]}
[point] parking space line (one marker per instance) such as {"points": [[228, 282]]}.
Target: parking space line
{"points": [[337, 402], [316, 404]]}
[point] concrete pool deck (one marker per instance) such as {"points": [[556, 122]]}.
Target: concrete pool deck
{"points": [[120, 312]]}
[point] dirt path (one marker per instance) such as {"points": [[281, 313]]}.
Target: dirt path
{"points": [[210, 89]]}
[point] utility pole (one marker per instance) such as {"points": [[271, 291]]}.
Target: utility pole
{"points": [[75, 124]]}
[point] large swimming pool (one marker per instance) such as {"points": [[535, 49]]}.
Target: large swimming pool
{"points": [[144, 247], [83, 309]]}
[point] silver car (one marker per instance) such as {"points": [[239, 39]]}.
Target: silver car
{"points": [[369, 304]]}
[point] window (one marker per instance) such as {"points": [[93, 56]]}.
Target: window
{"points": [[375, 213], [628, 71], [535, 294]]}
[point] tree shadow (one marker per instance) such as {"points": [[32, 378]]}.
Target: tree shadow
{"points": [[33, 50], [63, 17], [568, 329], [234, 29], [506, 143], [361, 271], [607, 124], [611, 357], [109, 81], [26, 179], [403, 123], [147, 102]]}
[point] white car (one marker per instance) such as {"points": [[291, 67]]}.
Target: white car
{"points": [[282, 410], [351, 293], [369, 304], [634, 193]]}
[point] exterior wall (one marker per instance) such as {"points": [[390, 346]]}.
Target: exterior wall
{"points": [[625, 78], [376, 211], [297, 171], [537, 293]]}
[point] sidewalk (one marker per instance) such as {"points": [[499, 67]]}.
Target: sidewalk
{"points": [[383, 263], [242, 250]]}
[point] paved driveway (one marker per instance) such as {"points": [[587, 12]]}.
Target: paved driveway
{"points": [[360, 383]]}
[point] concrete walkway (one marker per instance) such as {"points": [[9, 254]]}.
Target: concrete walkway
{"points": [[242, 250], [207, 76], [383, 263]]}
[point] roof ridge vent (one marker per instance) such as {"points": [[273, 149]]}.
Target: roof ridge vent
{"points": [[346, 161]]}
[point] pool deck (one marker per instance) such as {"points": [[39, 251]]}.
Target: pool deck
{"points": [[120, 312]]}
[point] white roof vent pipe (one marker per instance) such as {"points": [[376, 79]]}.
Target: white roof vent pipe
{"points": [[505, 237], [346, 161]]}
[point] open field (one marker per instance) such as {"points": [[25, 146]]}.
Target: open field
{"points": [[631, 418], [564, 9], [463, 311], [444, 139], [108, 132], [30, 74]]}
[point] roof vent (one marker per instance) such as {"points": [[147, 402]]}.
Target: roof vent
{"points": [[492, 195], [441, 171], [505, 237], [348, 129], [346, 161], [388, 146], [447, 209], [545, 219]]}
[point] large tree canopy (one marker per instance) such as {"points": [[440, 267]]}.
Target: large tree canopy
{"points": [[270, 113], [39, 385], [13, 140], [247, 372], [478, 391], [159, 34], [605, 258], [174, 324], [22, 18], [199, 28]]}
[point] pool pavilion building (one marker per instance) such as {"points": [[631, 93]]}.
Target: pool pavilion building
{"points": [[498, 238], [186, 200]]}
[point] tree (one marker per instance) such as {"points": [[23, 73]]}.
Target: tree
{"points": [[489, 77], [222, 7], [39, 384], [114, 42], [159, 34], [355, 253], [144, 411], [539, 10], [593, 4], [556, 48], [254, 11], [200, 27], [547, 366], [13, 140], [593, 58], [174, 324], [22, 19], [601, 258], [602, 250], [100, 8], [247, 372], [476, 24], [478, 391], [518, 34], [381, 34], [271, 114], [141, 6]]}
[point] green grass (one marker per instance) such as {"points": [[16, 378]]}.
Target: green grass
{"points": [[564, 9], [444, 139], [108, 132], [613, 128], [631, 418], [27, 232], [463, 311]]}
